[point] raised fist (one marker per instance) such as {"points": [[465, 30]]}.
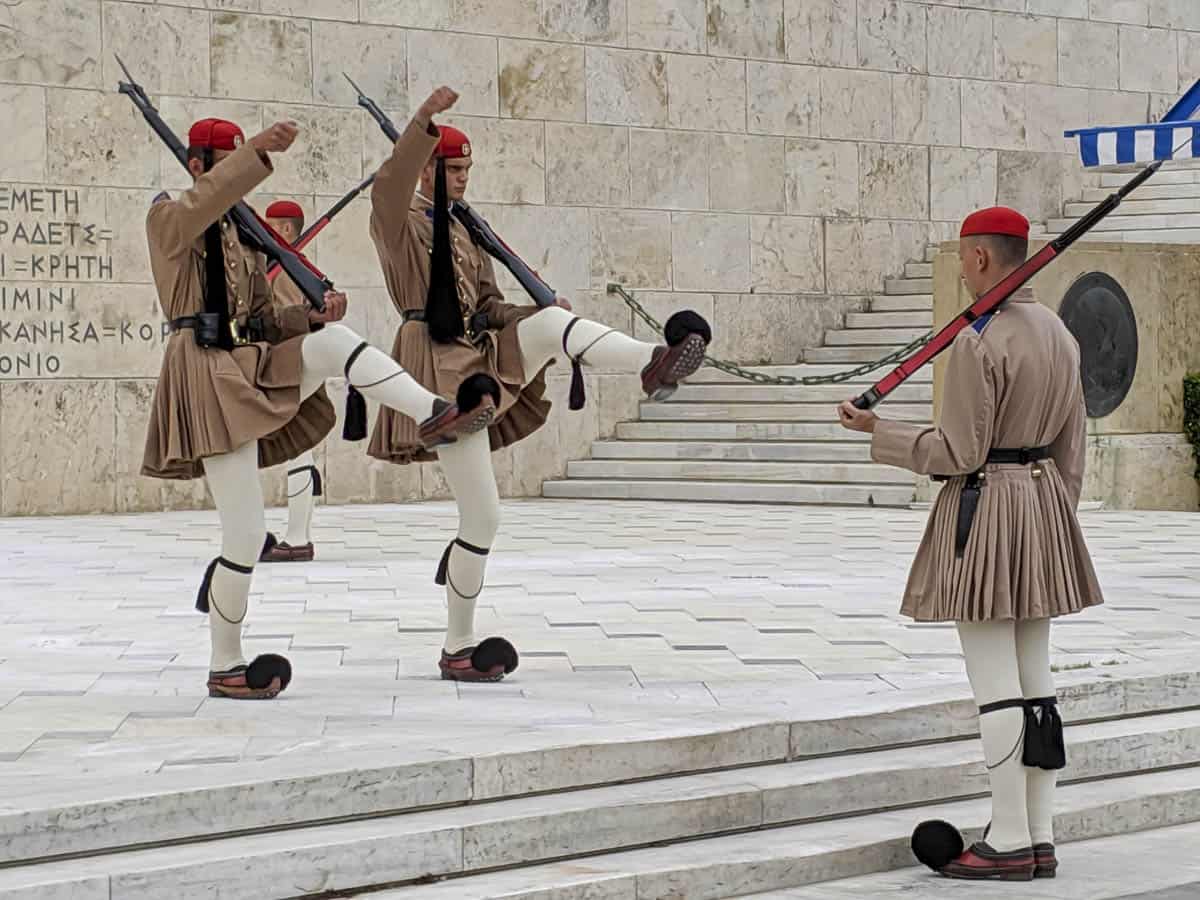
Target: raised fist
{"points": [[275, 139], [439, 101]]}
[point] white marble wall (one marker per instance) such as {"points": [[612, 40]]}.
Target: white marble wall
{"points": [[702, 150]]}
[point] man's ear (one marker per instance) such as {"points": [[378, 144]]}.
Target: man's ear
{"points": [[196, 167]]}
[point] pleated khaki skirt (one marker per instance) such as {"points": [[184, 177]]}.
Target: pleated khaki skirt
{"points": [[209, 401], [1025, 557]]}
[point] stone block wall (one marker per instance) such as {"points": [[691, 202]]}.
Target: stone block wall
{"points": [[768, 162]]}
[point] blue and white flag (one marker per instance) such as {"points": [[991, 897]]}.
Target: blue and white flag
{"points": [[1176, 136]]}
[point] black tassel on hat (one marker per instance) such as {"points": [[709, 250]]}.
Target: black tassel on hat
{"points": [[443, 316]]}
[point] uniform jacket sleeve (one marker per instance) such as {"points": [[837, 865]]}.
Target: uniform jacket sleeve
{"points": [[280, 305], [491, 300], [396, 182], [1069, 449], [959, 443], [173, 225]]}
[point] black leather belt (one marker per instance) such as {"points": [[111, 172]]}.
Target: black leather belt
{"points": [[183, 322], [252, 331], [968, 500], [474, 324]]}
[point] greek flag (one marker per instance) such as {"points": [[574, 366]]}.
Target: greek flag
{"points": [[1175, 136]]}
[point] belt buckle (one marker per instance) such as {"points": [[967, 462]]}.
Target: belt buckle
{"points": [[239, 339]]}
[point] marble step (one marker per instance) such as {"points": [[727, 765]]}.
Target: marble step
{"points": [[1148, 191], [920, 319], [850, 356], [748, 392], [1096, 869], [818, 853], [738, 470], [262, 796], [896, 286], [710, 375], [768, 412], [1136, 205], [512, 832], [734, 450], [872, 336], [791, 493], [1119, 222], [739, 431], [909, 303], [1154, 236], [1175, 175], [918, 270]]}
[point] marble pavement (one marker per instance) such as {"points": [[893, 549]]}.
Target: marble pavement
{"points": [[633, 619]]}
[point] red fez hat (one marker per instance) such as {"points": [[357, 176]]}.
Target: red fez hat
{"points": [[284, 209], [995, 220], [216, 134], [453, 144]]}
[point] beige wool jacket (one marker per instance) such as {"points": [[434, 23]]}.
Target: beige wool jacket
{"points": [[402, 229], [1016, 385], [210, 401]]}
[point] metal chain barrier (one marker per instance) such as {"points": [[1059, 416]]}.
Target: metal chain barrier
{"points": [[758, 377]]}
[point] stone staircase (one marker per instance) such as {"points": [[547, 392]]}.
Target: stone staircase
{"points": [[718, 811], [721, 438], [1164, 210]]}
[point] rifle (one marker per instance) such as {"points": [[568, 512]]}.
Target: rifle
{"points": [[1001, 292], [318, 226], [481, 232], [252, 231]]}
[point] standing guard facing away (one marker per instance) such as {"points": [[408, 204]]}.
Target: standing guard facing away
{"points": [[456, 330], [1003, 552], [238, 388]]}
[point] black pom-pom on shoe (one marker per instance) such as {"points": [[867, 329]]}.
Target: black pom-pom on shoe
{"points": [[267, 667], [683, 323], [473, 389], [936, 843], [495, 651]]}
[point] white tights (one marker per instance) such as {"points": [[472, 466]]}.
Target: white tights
{"points": [[301, 481], [237, 492], [467, 463], [541, 339], [1008, 659]]}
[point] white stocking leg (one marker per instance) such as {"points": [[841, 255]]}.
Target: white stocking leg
{"points": [[991, 655], [237, 492], [467, 464], [374, 373], [1033, 660], [541, 340], [300, 486]]}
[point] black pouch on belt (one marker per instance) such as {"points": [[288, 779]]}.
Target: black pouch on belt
{"points": [[207, 329], [967, 502]]}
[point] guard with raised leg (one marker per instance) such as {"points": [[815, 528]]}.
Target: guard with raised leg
{"points": [[458, 335]]}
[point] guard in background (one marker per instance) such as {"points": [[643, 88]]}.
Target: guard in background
{"points": [[1003, 552], [304, 483]]}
